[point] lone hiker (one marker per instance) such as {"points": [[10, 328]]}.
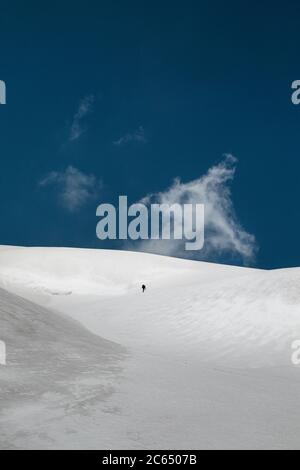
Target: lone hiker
{"points": [[143, 288]]}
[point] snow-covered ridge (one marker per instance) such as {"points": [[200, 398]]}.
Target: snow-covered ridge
{"points": [[190, 307], [99, 272]]}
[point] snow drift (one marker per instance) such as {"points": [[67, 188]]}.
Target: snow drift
{"points": [[55, 373]]}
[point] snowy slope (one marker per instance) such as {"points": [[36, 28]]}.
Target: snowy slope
{"points": [[208, 348], [55, 374]]}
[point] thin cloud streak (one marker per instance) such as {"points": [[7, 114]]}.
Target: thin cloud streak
{"points": [[77, 126], [73, 188], [136, 136]]}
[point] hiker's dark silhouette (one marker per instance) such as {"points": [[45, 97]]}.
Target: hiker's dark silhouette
{"points": [[143, 287]]}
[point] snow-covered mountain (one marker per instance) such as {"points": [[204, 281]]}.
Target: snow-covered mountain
{"points": [[202, 359]]}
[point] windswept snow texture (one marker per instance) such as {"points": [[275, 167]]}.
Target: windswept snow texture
{"points": [[201, 360]]}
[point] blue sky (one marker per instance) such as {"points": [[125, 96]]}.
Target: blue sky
{"points": [[123, 97]]}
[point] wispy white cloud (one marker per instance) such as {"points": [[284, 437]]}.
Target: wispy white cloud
{"points": [[74, 188], [224, 235], [77, 127], [136, 136]]}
